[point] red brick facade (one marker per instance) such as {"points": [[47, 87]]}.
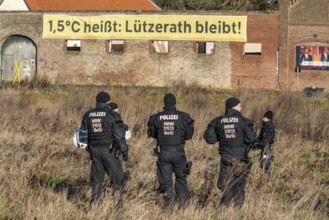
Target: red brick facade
{"points": [[257, 71], [227, 68], [299, 22], [302, 22]]}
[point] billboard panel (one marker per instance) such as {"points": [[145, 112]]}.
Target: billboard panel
{"points": [[312, 57], [161, 27]]}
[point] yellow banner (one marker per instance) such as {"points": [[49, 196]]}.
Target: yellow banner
{"points": [[156, 27]]}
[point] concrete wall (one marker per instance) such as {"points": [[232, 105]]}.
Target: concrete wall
{"points": [[227, 68]]}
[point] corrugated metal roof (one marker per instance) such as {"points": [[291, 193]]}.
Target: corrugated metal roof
{"points": [[91, 5]]}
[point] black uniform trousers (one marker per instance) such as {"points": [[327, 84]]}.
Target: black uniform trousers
{"points": [[266, 159], [170, 162], [232, 179], [104, 161]]}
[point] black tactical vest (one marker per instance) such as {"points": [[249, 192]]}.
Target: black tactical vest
{"points": [[230, 131], [99, 127], [169, 128]]}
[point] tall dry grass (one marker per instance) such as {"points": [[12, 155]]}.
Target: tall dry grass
{"points": [[42, 176]]}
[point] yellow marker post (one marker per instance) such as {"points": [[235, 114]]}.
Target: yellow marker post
{"points": [[18, 70]]}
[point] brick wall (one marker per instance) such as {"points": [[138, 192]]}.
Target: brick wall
{"points": [[283, 42], [227, 68], [257, 71], [306, 23], [302, 23]]}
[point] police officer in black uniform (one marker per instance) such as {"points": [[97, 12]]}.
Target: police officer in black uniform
{"points": [[171, 128], [265, 141], [234, 134], [103, 131], [115, 111], [115, 148]]}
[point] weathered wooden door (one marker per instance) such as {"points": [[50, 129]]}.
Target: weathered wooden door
{"points": [[18, 59]]}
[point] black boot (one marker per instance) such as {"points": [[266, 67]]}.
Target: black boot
{"points": [[95, 194]]}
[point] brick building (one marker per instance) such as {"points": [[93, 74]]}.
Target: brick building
{"points": [[303, 23], [256, 63]]}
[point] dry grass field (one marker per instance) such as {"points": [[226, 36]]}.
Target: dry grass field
{"points": [[43, 176]]}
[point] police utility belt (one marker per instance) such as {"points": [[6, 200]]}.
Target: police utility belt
{"points": [[177, 148], [102, 144]]}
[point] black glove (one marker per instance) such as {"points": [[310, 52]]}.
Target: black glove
{"points": [[261, 146], [255, 146], [125, 156]]}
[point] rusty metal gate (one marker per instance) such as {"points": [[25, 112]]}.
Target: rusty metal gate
{"points": [[18, 59]]}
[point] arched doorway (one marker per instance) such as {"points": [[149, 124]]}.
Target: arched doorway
{"points": [[18, 59]]}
